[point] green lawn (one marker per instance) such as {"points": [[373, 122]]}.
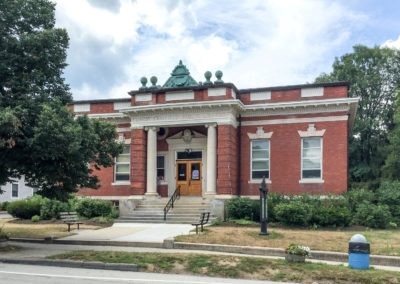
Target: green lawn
{"points": [[383, 242], [237, 267]]}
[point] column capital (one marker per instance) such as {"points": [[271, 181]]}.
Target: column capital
{"points": [[153, 128], [211, 125]]}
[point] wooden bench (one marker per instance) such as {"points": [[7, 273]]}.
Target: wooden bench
{"points": [[204, 217], [70, 218]]}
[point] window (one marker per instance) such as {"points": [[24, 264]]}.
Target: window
{"points": [[122, 165], [311, 158], [14, 190], [259, 159], [161, 168]]}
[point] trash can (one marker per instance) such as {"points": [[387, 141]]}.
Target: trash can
{"points": [[359, 251]]}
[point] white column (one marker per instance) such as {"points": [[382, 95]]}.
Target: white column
{"points": [[151, 161], [211, 159]]}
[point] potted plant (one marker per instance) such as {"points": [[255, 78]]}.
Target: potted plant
{"points": [[296, 253]]}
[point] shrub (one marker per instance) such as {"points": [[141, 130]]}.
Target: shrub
{"points": [[35, 218], [295, 212], [25, 209], [51, 208], [90, 208], [373, 216], [273, 200], [3, 206], [389, 194], [240, 208], [358, 195], [331, 216], [330, 211]]}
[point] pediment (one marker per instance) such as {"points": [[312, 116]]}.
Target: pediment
{"points": [[181, 134]]}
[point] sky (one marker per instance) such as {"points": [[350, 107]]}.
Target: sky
{"points": [[255, 43]]}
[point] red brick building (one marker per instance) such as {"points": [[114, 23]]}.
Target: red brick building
{"points": [[213, 139]]}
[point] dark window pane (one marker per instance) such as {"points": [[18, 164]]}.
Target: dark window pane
{"points": [[311, 173], [181, 171], [160, 174], [122, 177], [14, 192], [160, 161], [260, 174]]}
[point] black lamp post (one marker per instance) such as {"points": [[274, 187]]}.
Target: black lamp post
{"points": [[263, 208]]}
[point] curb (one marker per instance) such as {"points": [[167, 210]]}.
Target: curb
{"points": [[89, 243], [264, 251], [318, 255], [73, 264]]}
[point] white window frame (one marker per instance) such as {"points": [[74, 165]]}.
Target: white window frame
{"points": [[123, 163], [164, 155], [12, 191], [256, 180], [312, 180]]}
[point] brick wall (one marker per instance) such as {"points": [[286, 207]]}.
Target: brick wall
{"points": [[227, 163], [138, 161], [285, 159]]}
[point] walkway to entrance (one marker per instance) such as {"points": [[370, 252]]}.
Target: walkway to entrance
{"points": [[133, 232]]}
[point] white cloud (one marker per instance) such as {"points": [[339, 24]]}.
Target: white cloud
{"points": [[255, 43], [392, 43]]}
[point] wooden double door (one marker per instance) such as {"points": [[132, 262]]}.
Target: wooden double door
{"points": [[189, 176]]}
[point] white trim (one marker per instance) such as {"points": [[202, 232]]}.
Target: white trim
{"points": [[251, 159], [312, 180], [305, 181], [120, 182], [123, 129], [81, 107], [166, 177], [312, 92], [116, 183], [260, 134], [143, 97], [258, 181], [179, 96], [311, 132], [296, 120], [217, 92], [120, 105], [260, 96]]}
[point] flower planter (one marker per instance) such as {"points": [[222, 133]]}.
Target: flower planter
{"points": [[295, 258]]}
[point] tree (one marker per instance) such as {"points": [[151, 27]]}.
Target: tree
{"points": [[391, 168], [374, 76], [39, 136]]}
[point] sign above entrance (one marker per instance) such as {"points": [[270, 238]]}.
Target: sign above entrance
{"points": [[189, 155]]}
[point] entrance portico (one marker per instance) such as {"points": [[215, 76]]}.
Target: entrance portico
{"points": [[190, 160]]}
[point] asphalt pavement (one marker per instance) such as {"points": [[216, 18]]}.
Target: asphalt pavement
{"points": [[22, 274]]}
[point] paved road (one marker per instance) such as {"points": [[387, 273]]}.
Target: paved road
{"points": [[13, 274]]}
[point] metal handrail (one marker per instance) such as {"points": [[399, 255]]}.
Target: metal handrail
{"points": [[170, 204]]}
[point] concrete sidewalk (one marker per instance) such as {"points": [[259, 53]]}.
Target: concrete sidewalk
{"points": [[132, 232]]}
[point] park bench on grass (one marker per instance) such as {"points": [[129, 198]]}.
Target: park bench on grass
{"points": [[204, 217], [70, 218]]}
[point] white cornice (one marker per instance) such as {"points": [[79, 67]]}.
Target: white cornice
{"points": [[184, 105], [293, 107], [295, 120]]}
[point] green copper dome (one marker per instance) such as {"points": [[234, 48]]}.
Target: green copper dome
{"points": [[180, 77]]}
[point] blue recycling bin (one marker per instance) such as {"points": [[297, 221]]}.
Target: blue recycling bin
{"points": [[359, 251]]}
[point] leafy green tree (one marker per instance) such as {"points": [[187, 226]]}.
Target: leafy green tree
{"points": [[39, 137], [374, 75], [391, 168]]}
